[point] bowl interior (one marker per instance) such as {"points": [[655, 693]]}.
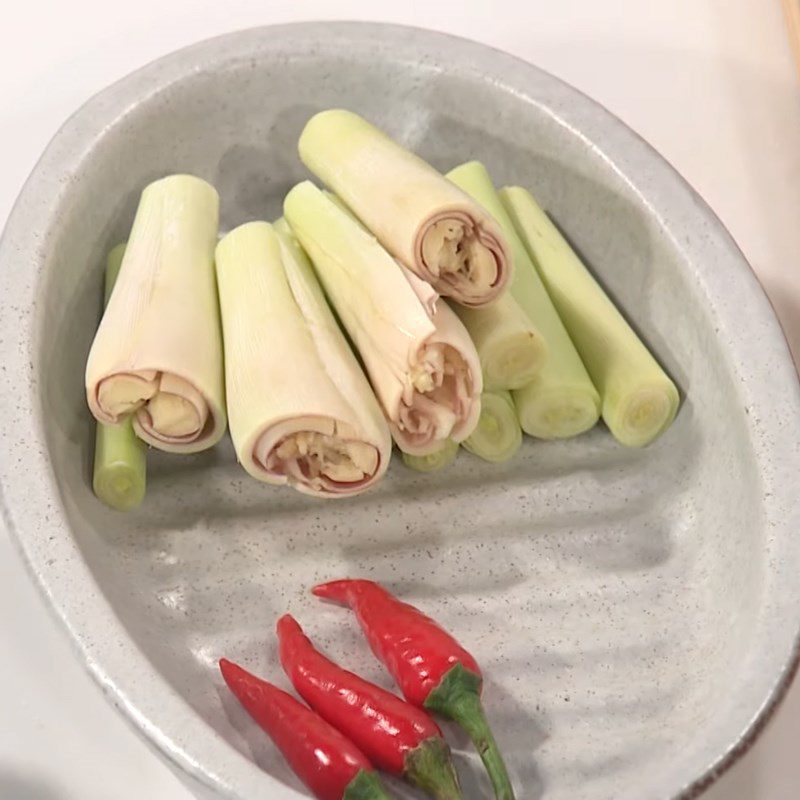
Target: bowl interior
{"points": [[612, 596]]}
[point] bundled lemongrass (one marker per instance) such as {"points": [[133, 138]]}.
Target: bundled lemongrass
{"points": [[158, 351], [424, 221], [120, 465], [561, 400], [639, 399], [301, 411], [433, 462], [498, 435], [424, 369]]}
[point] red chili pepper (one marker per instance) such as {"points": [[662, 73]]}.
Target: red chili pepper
{"points": [[330, 765], [395, 735], [431, 668]]}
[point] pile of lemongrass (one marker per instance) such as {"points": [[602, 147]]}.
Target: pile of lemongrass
{"points": [[397, 304]]}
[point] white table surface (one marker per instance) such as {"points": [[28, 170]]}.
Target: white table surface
{"points": [[710, 83]]}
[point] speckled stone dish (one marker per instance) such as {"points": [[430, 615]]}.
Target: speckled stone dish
{"points": [[636, 612]]}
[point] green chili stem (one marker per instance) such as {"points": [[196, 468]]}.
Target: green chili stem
{"points": [[458, 697], [366, 786], [430, 768]]}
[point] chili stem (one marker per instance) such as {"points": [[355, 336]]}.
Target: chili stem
{"points": [[366, 786], [430, 768], [458, 697]]}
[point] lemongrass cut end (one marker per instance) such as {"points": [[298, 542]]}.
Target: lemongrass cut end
{"points": [[514, 361], [498, 435], [557, 413], [644, 414]]}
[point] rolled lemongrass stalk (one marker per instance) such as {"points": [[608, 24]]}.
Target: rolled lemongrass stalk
{"points": [[301, 411], [120, 465], [424, 370], [511, 348], [158, 351], [421, 218], [639, 399], [498, 435], [427, 295], [561, 400], [433, 462]]}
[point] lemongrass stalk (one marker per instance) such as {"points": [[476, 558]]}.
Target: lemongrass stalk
{"points": [[301, 411], [433, 462], [120, 465], [427, 295], [639, 401], [561, 401], [511, 349], [424, 370], [158, 351], [423, 220], [510, 346], [498, 435]]}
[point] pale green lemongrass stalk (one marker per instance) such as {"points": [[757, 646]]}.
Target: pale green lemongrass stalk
{"points": [[427, 295], [301, 411], [158, 351], [511, 349], [639, 401], [424, 369], [510, 346], [498, 435], [120, 465], [433, 462], [561, 401], [423, 220]]}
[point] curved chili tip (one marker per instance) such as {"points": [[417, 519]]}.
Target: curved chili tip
{"points": [[288, 624], [329, 764], [291, 639], [338, 591], [232, 673]]}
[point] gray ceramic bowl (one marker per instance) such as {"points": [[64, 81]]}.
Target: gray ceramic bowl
{"points": [[636, 612]]}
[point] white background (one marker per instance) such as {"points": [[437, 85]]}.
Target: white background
{"points": [[710, 83]]}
